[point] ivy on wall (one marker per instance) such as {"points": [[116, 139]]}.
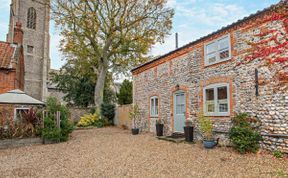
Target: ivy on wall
{"points": [[270, 45]]}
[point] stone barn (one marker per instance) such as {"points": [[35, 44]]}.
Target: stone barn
{"points": [[242, 67]]}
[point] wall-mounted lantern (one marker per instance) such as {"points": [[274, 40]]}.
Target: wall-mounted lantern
{"points": [[177, 87]]}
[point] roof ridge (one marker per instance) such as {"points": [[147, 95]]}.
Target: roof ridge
{"points": [[257, 13]]}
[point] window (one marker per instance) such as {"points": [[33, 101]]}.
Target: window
{"points": [[154, 106], [30, 49], [31, 18], [216, 100], [218, 51], [19, 112], [180, 103]]}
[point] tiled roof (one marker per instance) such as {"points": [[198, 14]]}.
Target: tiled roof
{"points": [[7, 53], [282, 2]]}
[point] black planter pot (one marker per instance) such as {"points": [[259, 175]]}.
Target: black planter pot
{"points": [[188, 132], [159, 129], [135, 131]]}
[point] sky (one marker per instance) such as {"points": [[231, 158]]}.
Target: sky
{"points": [[193, 19]]}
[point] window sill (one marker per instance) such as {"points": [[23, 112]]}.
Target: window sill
{"points": [[154, 116], [217, 115], [217, 63]]}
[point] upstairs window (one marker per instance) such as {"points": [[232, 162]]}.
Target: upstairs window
{"points": [[218, 51], [30, 49], [216, 100], [154, 106], [31, 18]]}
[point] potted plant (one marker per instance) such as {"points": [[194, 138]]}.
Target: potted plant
{"points": [[206, 128], [188, 130], [134, 115], [159, 127]]}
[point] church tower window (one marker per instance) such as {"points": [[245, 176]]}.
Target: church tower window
{"points": [[31, 18]]}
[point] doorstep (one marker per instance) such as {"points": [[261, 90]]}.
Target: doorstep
{"points": [[175, 137]]}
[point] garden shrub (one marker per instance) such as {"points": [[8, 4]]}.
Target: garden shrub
{"points": [[206, 127], [50, 130], [278, 154], [91, 120], [26, 126], [52, 134], [243, 136], [108, 111]]}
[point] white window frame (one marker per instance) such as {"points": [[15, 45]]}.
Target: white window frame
{"points": [[218, 60], [216, 102], [153, 110], [27, 50], [15, 111]]}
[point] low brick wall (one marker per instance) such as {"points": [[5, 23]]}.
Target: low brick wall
{"points": [[12, 143]]}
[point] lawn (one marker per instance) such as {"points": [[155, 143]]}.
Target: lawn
{"points": [[112, 152]]}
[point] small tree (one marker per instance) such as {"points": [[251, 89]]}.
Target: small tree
{"points": [[125, 94], [134, 115], [206, 127], [111, 35]]}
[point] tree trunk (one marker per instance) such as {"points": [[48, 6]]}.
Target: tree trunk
{"points": [[99, 88]]}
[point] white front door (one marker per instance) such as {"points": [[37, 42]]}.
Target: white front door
{"points": [[179, 111]]}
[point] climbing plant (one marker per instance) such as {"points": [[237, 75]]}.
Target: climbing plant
{"points": [[270, 45]]}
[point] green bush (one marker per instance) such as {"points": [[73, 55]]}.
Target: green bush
{"points": [[99, 123], [278, 154], [50, 130], [206, 127], [108, 111], [242, 135], [52, 134], [88, 120]]}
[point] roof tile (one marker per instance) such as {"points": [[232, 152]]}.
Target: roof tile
{"points": [[6, 54]]}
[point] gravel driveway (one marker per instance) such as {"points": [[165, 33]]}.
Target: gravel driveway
{"points": [[112, 152]]}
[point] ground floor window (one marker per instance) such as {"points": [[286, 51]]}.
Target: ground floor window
{"points": [[154, 106], [216, 100], [18, 113]]}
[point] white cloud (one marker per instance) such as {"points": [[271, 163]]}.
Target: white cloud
{"points": [[193, 19]]}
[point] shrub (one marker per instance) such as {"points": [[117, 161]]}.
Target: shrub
{"points": [[52, 134], [134, 115], [108, 111], [99, 123], [88, 120], [50, 130], [278, 154], [31, 121], [242, 135], [206, 127]]}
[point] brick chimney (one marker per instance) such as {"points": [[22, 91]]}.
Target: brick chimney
{"points": [[18, 34]]}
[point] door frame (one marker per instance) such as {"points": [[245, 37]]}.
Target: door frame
{"points": [[174, 90]]}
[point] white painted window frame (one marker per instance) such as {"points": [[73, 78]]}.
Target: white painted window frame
{"points": [[154, 108], [27, 47], [216, 102], [19, 108], [218, 60]]}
